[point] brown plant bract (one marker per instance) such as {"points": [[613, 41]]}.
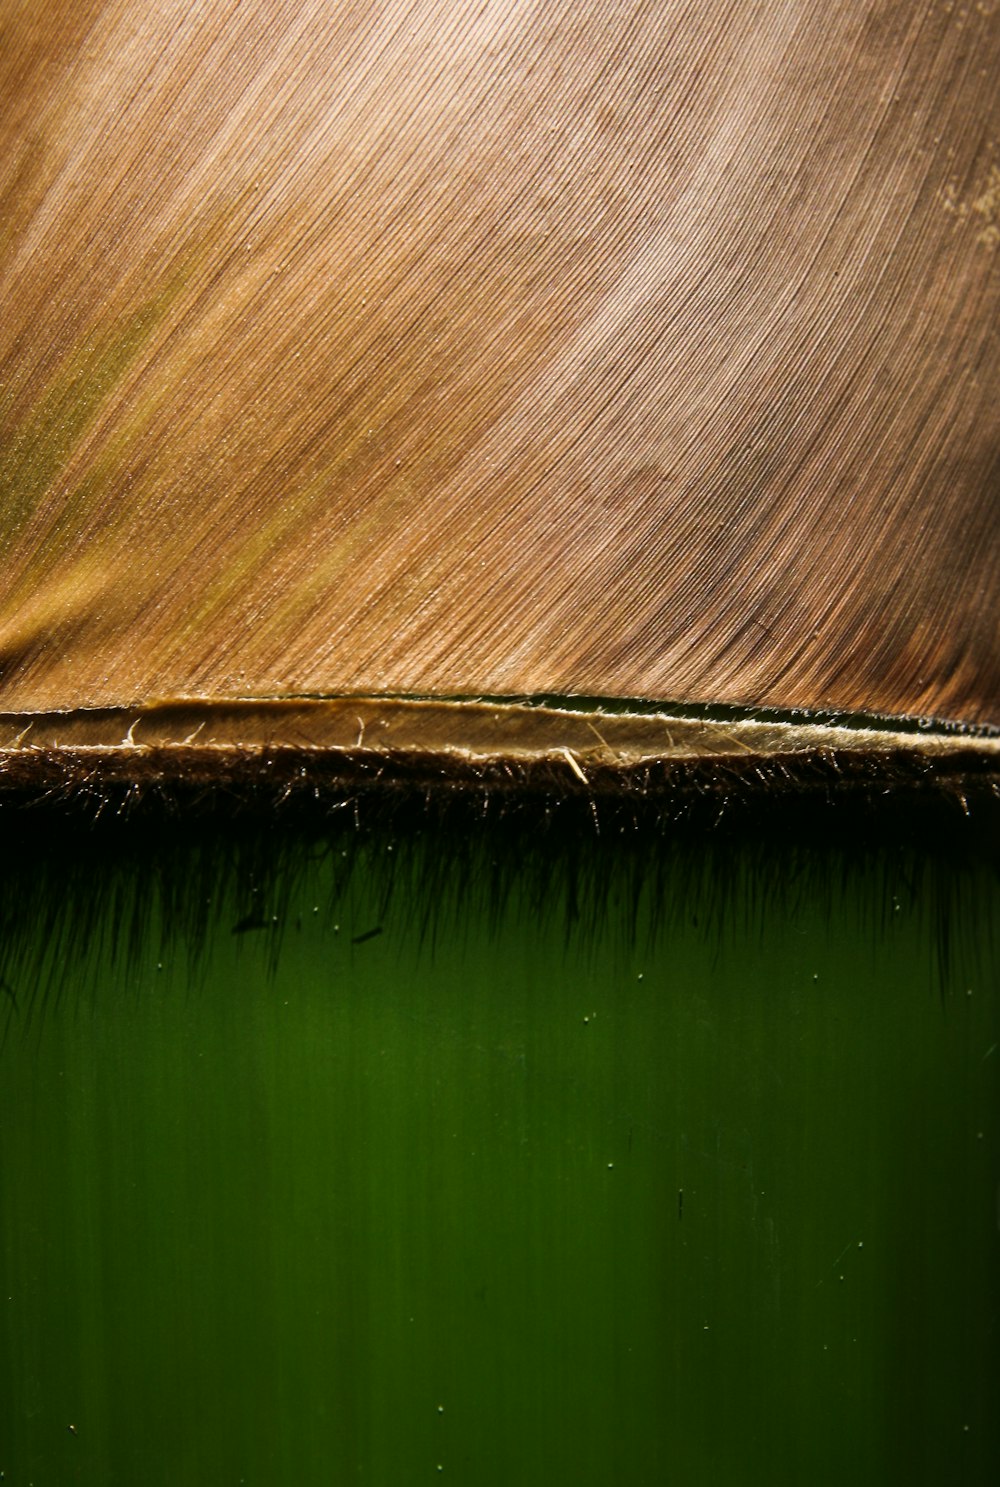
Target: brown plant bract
{"points": [[459, 348]]}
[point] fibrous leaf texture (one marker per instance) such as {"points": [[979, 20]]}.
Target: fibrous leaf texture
{"points": [[452, 348]]}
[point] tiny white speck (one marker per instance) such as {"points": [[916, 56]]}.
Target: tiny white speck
{"points": [[610, 1165]]}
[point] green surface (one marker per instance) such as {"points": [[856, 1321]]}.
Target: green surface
{"points": [[506, 1206]]}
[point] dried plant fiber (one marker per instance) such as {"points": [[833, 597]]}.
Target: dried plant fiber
{"points": [[464, 349]]}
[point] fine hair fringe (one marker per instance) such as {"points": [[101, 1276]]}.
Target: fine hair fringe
{"points": [[92, 865]]}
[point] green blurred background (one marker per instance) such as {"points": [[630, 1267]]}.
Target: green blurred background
{"points": [[505, 1202]]}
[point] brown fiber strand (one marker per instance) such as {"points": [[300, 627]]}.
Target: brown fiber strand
{"points": [[449, 347], [438, 744]]}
